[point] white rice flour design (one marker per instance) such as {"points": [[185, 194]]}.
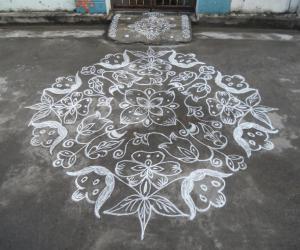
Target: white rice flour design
{"points": [[158, 122], [152, 25], [114, 26]]}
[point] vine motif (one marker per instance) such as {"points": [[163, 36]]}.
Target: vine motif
{"points": [[151, 120]]}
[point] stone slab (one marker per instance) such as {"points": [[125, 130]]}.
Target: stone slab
{"points": [[150, 28]]}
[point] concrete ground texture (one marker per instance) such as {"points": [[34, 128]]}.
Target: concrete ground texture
{"points": [[110, 146]]}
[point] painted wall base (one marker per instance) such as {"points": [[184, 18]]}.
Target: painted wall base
{"points": [[91, 6], [203, 6], [37, 5], [213, 6], [261, 6]]}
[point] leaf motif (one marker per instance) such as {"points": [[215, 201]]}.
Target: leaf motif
{"points": [[127, 206], [207, 129], [264, 109], [86, 129], [92, 124], [102, 148], [47, 99], [38, 106], [162, 53], [261, 116], [105, 194], [165, 207], [109, 145], [78, 195], [253, 99], [144, 213], [40, 115], [187, 153]]}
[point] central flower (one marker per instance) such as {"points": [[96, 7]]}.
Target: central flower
{"points": [[150, 66], [149, 107]]}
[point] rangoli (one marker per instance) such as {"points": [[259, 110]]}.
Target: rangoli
{"points": [[162, 128]]}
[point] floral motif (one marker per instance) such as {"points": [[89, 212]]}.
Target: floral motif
{"points": [[207, 186], [149, 107], [88, 182], [225, 105], [74, 105], [147, 168], [234, 84], [150, 67], [45, 107], [253, 137], [65, 85], [48, 134], [158, 120]]}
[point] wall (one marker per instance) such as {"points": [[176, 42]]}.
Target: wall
{"points": [[37, 5], [260, 6], [203, 6], [247, 6]]}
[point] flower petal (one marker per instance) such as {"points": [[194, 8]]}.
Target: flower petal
{"points": [[167, 97], [141, 101], [168, 117], [157, 111], [132, 95], [83, 106], [223, 97], [214, 106], [158, 181], [157, 101], [233, 101], [128, 168], [168, 168], [70, 116], [134, 114], [67, 101], [142, 156], [229, 115], [76, 96], [150, 71]]}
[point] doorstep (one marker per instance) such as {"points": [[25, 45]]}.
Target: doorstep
{"points": [[280, 21]]}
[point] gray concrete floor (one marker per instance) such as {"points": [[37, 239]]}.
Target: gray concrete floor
{"points": [[36, 210]]}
